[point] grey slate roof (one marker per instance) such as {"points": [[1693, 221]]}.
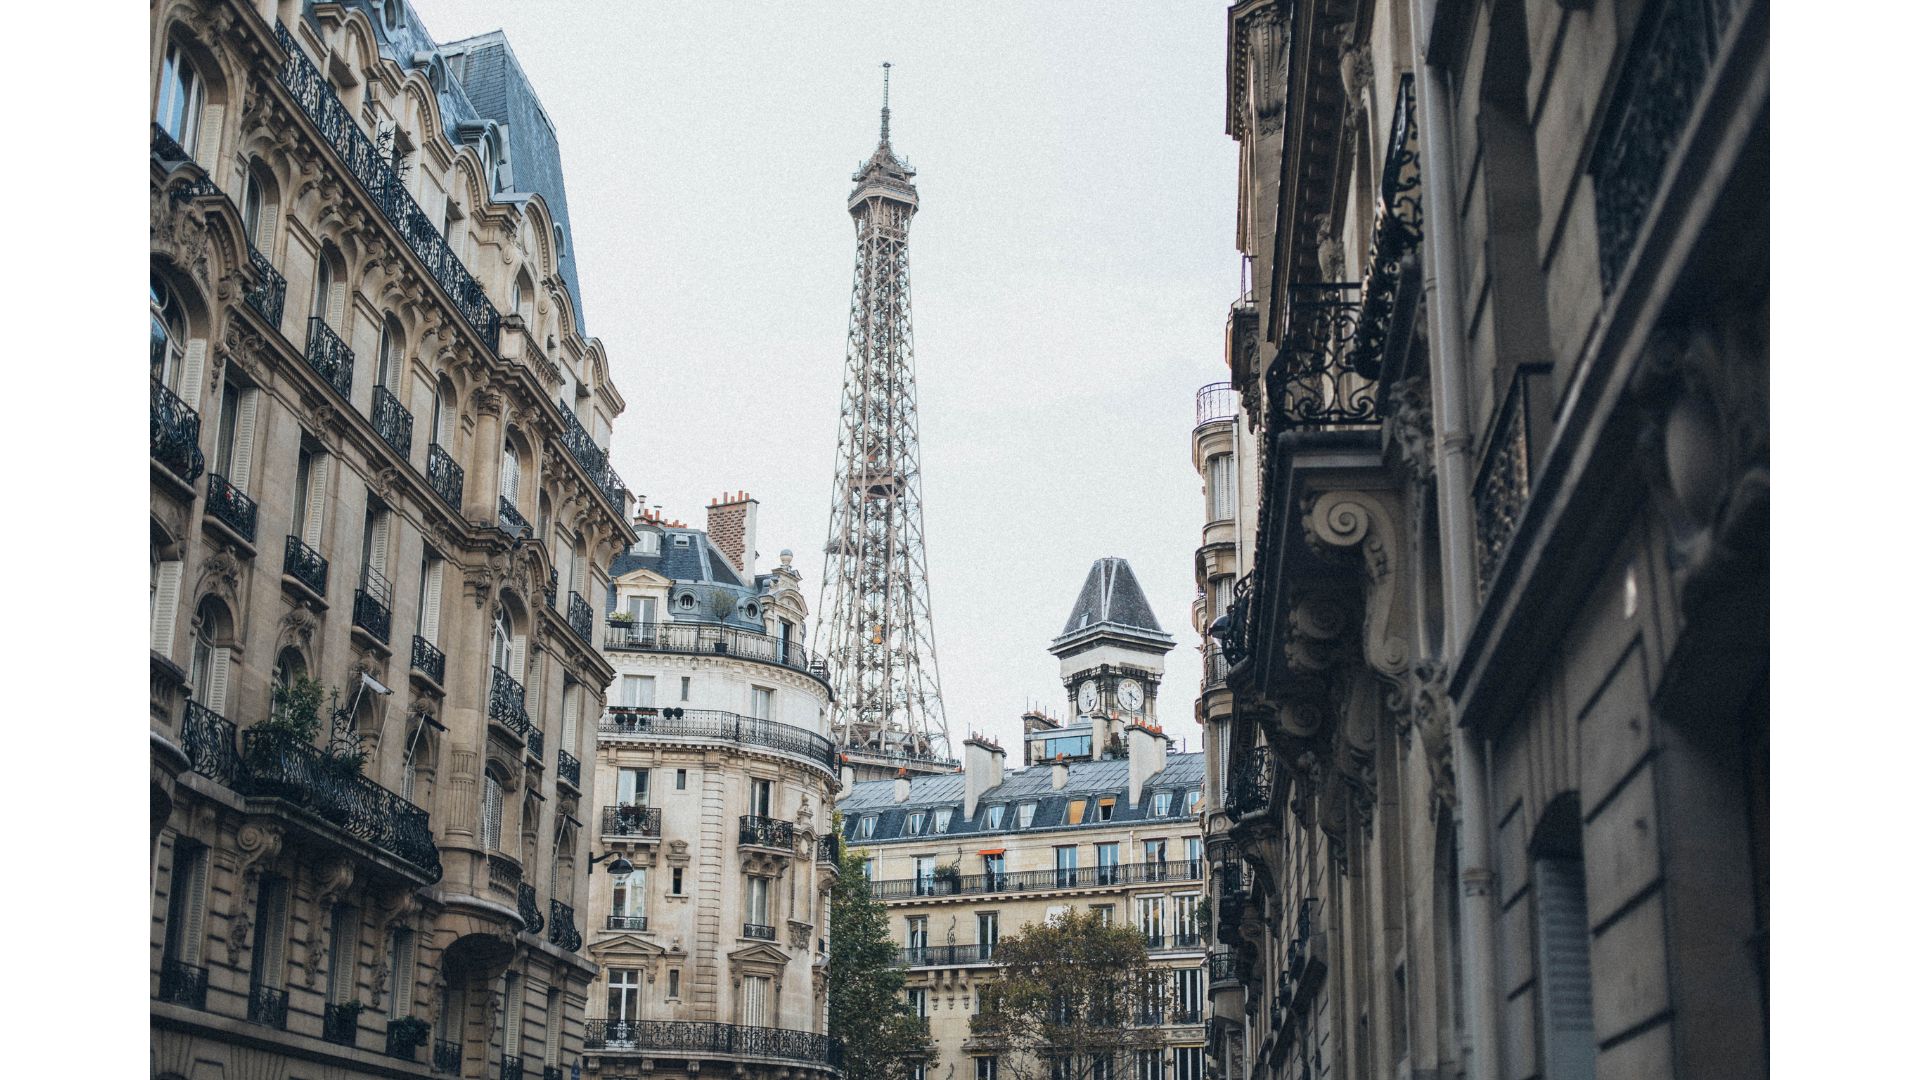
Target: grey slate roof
{"points": [[697, 567], [1085, 779], [1112, 595]]}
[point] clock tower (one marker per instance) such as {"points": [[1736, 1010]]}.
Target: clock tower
{"points": [[1112, 652]]}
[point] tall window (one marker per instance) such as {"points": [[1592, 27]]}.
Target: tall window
{"points": [[632, 790], [554, 1017], [510, 1022], [762, 703], [323, 289], [630, 897], [427, 615], [760, 799], [502, 649], [438, 430], [755, 990], [1148, 1065], [923, 875], [986, 1068], [270, 930], [1025, 814], [986, 928], [759, 911], [492, 807], [1220, 481], [386, 371], [400, 973], [182, 97], [1186, 1063], [1066, 864], [916, 1001], [1195, 851], [168, 327], [636, 690], [187, 904], [1107, 857], [207, 673], [1186, 916], [1152, 912], [916, 933], [309, 495], [510, 476], [343, 950], [1187, 995], [996, 866], [623, 994], [253, 202]]}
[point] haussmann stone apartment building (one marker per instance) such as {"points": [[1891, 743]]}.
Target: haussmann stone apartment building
{"points": [[379, 462], [1484, 558], [715, 779], [1105, 817]]}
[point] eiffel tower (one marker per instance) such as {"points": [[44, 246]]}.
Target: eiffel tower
{"points": [[877, 624]]}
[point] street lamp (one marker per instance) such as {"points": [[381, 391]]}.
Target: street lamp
{"points": [[619, 867]]}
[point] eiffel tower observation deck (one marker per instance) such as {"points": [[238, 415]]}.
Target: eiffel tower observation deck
{"points": [[877, 623]]}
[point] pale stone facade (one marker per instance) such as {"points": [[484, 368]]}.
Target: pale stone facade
{"points": [[1488, 722], [378, 462], [717, 775]]}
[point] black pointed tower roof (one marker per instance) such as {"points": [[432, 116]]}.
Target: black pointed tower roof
{"points": [[1112, 604]]}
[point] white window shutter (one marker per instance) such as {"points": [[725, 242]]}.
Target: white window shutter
{"points": [[212, 118], [519, 671], [430, 616], [269, 228], [533, 689], [194, 933], [569, 716], [272, 933], [316, 501], [337, 309], [403, 974], [240, 473], [510, 477], [563, 562], [193, 371], [1566, 979], [166, 605], [382, 536], [217, 681], [514, 1000]]}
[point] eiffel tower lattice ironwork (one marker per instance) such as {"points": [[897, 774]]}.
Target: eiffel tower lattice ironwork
{"points": [[877, 623]]}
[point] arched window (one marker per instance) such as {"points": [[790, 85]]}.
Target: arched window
{"points": [[207, 668], [168, 326], [502, 653], [183, 94], [251, 201], [442, 429], [323, 288], [523, 298], [492, 807], [510, 475], [386, 370], [288, 668]]}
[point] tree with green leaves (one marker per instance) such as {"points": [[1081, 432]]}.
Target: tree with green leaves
{"points": [[1076, 1000], [881, 1039]]}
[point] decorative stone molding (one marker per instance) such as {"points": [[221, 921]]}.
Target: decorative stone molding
{"points": [[1357, 521], [1409, 423], [1433, 718]]}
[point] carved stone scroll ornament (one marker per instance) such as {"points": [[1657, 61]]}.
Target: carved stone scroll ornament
{"points": [[1360, 522], [330, 882], [253, 844]]}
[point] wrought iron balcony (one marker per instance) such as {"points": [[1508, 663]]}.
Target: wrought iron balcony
{"points": [[536, 744], [530, 910], [507, 704], [446, 1056], [391, 421], [1397, 227], [340, 1023], [626, 922], [405, 1036], [757, 931], [1084, 877], [209, 741], [553, 590], [276, 766], [710, 639], [512, 1067], [268, 1005], [553, 1072], [828, 850], [766, 832], [714, 726], [1215, 402], [1504, 482], [510, 517], [1250, 783], [1314, 382], [428, 660], [230, 506], [1236, 633], [1179, 940], [701, 1037], [329, 357], [373, 604], [169, 150], [580, 616], [445, 476], [568, 768], [269, 298], [176, 434], [183, 984], [640, 821], [304, 565], [1658, 90], [1222, 967], [593, 460], [1213, 666], [315, 97], [560, 928], [924, 956]]}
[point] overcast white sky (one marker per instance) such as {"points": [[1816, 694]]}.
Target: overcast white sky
{"points": [[1072, 265]]}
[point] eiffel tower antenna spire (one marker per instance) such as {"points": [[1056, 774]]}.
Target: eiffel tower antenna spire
{"points": [[886, 92]]}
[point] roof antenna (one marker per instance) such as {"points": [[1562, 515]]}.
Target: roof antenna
{"points": [[886, 91]]}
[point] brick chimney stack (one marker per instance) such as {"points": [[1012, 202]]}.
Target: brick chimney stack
{"points": [[730, 525]]}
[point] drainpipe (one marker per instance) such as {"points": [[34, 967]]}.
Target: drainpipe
{"points": [[1453, 475]]}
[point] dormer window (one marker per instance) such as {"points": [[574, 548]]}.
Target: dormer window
{"points": [[916, 823], [1162, 803], [1026, 814], [686, 602], [1104, 812], [683, 540], [753, 612], [995, 815], [1193, 801], [866, 826], [941, 818]]}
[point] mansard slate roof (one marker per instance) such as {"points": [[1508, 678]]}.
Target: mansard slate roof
{"points": [[696, 567], [1085, 779], [1112, 597], [492, 87]]}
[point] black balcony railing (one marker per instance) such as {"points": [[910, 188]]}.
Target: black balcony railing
{"points": [[510, 517], [1180, 939], [694, 1037], [1084, 877], [757, 931], [341, 1023], [329, 356], [708, 639], [716, 726], [1235, 633], [530, 910], [553, 589], [268, 1005], [512, 1067], [1504, 482], [593, 460], [1660, 85], [1397, 228], [1215, 402], [311, 91], [169, 150], [560, 928], [391, 421], [176, 434], [183, 984], [580, 616], [446, 1056], [1223, 968], [231, 506], [1314, 382], [828, 850], [568, 768], [536, 744], [507, 703], [641, 821], [1213, 666], [406, 1035], [766, 832], [269, 298], [445, 476], [275, 765], [922, 956], [626, 922], [209, 741], [304, 565], [429, 660], [1250, 783], [373, 605]]}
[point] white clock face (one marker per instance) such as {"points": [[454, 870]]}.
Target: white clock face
{"points": [[1131, 695], [1089, 697]]}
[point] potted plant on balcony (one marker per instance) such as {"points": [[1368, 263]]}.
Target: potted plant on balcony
{"points": [[620, 618], [295, 715], [948, 874], [405, 1035]]}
